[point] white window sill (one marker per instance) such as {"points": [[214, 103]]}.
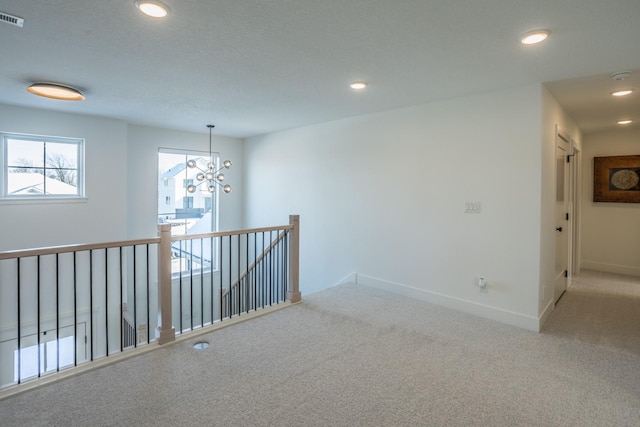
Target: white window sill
{"points": [[42, 200]]}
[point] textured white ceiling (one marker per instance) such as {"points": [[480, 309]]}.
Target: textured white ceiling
{"points": [[258, 66]]}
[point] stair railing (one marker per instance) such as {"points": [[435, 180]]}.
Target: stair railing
{"points": [[69, 306]]}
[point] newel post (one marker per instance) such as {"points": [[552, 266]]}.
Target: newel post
{"points": [[165, 332], [293, 293]]}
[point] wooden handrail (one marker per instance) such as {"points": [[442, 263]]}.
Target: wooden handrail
{"points": [[52, 250], [230, 233]]}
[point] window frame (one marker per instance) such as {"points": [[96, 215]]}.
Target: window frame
{"points": [[39, 198]]}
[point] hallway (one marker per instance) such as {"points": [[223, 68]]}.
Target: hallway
{"points": [[600, 308]]}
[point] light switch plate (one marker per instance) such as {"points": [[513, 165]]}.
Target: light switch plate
{"points": [[472, 207]]}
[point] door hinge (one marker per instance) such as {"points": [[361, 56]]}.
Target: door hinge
{"points": [[566, 216], [566, 273], [569, 156]]}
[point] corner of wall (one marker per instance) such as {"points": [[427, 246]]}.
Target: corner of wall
{"points": [[504, 316]]}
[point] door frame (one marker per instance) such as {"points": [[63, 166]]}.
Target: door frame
{"points": [[562, 137], [575, 177]]}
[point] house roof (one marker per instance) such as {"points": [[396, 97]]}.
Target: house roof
{"points": [[19, 184], [180, 167], [256, 67], [173, 171]]}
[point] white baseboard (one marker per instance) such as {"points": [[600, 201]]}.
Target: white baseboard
{"points": [[610, 268], [546, 313], [511, 318], [350, 278]]}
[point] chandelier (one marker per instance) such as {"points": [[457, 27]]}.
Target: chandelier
{"points": [[209, 176]]}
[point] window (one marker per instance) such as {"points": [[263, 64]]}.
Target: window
{"points": [[26, 359], [56, 350], [41, 166], [187, 212]]}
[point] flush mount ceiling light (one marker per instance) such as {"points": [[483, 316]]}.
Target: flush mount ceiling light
{"points": [[153, 8], [625, 122], [358, 85], [623, 92], [56, 91], [533, 37]]}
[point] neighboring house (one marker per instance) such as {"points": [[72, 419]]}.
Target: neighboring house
{"points": [[24, 184], [174, 202]]}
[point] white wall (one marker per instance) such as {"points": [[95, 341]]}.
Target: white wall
{"points": [[142, 156], [121, 181], [610, 231], [103, 216], [383, 195], [380, 195]]}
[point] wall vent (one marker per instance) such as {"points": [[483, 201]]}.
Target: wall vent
{"points": [[9, 19]]}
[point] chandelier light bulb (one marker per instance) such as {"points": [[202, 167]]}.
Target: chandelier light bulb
{"points": [[209, 177]]}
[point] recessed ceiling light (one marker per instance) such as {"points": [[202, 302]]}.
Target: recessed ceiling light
{"points": [[625, 122], [533, 37], [623, 92], [56, 91], [153, 8], [358, 85]]}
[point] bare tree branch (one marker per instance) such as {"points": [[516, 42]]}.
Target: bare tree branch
{"points": [[25, 166], [61, 168]]}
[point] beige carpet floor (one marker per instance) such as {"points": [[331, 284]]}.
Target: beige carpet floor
{"points": [[355, 356], [602, 309]]}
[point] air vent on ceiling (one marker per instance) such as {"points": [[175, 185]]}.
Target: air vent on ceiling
{"points": [[9, 19]]}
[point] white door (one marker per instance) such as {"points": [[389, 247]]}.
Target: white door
{"points": [[562, 215]]}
